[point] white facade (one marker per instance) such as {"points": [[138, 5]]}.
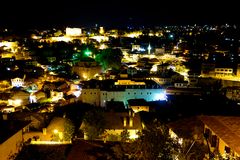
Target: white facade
{"points": [[100, 97], [17, 82], [73, 31]]}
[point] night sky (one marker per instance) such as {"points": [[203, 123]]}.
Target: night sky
{"points": [[42, 13]]}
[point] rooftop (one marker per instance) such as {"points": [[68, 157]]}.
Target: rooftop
{"points": [[225, 127], [115, 120]]}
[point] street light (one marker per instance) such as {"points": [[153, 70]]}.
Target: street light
{"points": [[55, 131]]}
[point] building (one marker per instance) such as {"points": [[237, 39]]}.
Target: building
{"points": [[11, 138], [87, 70], [102, 91], [17, 82], [73, 32], [138, 105], [184, 91], [116, 123], [233, 93], [223, 72], [223, 134]]}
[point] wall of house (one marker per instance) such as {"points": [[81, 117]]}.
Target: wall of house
{"points": [[11, 146], [221, 144], [140, 108], [147, 94], [91, 96], [99, 98], [117, 132], [111, 96]]}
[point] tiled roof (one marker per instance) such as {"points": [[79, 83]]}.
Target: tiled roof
{"points": [[115, 120], [225, 127]]}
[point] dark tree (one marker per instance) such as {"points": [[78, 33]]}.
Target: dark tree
{"points": [[110, 58], [94, 123]]}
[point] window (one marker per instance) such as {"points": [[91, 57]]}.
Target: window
{"points": [[227, 149], [214, 141], [207, 133]]}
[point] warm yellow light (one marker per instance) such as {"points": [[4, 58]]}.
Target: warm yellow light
{"points": [[154, 68], [85, 76], [73, 31], [15, 103], [133, 136], [55, 131], [102, 46]]}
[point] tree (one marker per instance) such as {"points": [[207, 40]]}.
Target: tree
{"points": [[125, 135], [110, 58], [69, 129], [94, 124], [154, 142]]}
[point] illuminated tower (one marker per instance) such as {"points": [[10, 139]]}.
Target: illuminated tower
{"points": [[101, 30], [149, 49]]}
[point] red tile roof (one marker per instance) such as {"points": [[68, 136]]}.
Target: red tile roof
{"points": [[225, 127]]}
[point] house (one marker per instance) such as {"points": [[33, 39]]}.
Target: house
{"points": [[232, 93], [118, 122], [223, 134], [11, 138], [53, 133], [17, 82], [37, 120], [19, 98], [56, 95], [184, 91], [138, 105], [39, 95]]}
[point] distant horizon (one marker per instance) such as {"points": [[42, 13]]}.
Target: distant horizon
{"points": [[107, 25], [45, 14]]}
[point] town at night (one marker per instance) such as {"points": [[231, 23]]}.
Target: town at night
{"points": [[126, 81]]}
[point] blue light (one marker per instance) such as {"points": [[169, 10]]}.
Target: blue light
{"points": [[161, 96]]}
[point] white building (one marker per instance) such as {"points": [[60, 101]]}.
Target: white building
{"points": [[17, 82], [73, 32], [122, 92]]}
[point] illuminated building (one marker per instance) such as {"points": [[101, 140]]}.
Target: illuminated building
{"points": [[116, 123], [138, 105], [17, 82], [12, 46], [222, 134], [73, 32], [11, 138], [122, 91], [101, 30]]}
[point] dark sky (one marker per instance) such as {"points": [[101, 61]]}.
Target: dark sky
{"points": [[37, 13]]}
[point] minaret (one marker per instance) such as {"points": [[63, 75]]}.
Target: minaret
{"points": [[149, 49]]}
